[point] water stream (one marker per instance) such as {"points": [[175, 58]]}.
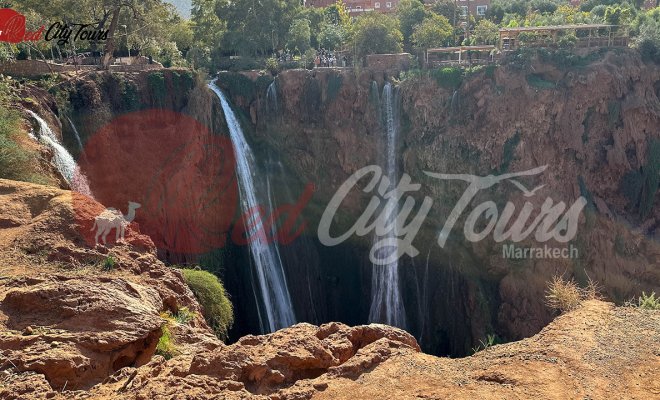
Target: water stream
{"points": [[386, 302], [62, 159], [276, 308]]}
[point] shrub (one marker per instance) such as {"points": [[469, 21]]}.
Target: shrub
{"points": [[649, 302], [156, 83], [14, 160], [565, 295], [166, 346], [567, 41], [562, 295], [272, 65], [210, 293], [448, 77], [183, 315], [109, 263]]}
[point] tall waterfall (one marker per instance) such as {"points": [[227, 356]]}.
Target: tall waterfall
{"points": [[76, 134], [271, 97], [62, 159], [277, 309], [386, 302]]}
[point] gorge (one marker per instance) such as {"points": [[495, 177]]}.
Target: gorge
{"points": [[236, 175]]}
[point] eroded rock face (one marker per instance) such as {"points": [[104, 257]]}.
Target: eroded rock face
{"points": [[266, 363], [594, 131], [73, 313]]}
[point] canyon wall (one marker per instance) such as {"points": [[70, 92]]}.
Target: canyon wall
{"points": [[592, 119]]}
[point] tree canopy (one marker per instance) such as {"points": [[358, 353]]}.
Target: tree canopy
{"points": [[376, 33]]}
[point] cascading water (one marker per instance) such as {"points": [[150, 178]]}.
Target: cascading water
{"points": [[386, 302], [271, 97], [76, 134], [62, 159], [277, 310]]}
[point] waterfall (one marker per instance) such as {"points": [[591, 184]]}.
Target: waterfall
{"points": [[76, 134], [386, 303], [271, 97], [277, 310], [62, 159], [453, 101]]}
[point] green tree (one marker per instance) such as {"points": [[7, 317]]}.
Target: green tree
{"points": [[146, 21], [618, 15], [376, 33], [337, 13], [332, 36], [447, 8], [435, 31], [485, 32], [256, 28], [299, 36], [207, 27], [410, 13]]}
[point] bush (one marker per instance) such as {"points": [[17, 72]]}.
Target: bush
{"points": [[156, 83], [567, 41], [210, 293], [166, 346], [109, 263], [448, 77], [273, 66], [562, 295], [565, 295], [14, 160], [649, 302]]}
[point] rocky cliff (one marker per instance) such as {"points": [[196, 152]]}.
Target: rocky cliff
{"points": [[72, 328], [591, 119]]}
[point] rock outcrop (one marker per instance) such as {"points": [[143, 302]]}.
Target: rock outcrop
{"points": [[592, 119], [72, 327], [73, 313]]}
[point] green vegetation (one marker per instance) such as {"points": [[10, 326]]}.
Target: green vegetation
{"points": [[166, 346], [148, 27], [183, 315], [210, 293], [377, 33], [490, 341], [434, 31], [109, 263], [16, 161], [257, 31], [648, 301], [157, 88], [448, 77]]}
